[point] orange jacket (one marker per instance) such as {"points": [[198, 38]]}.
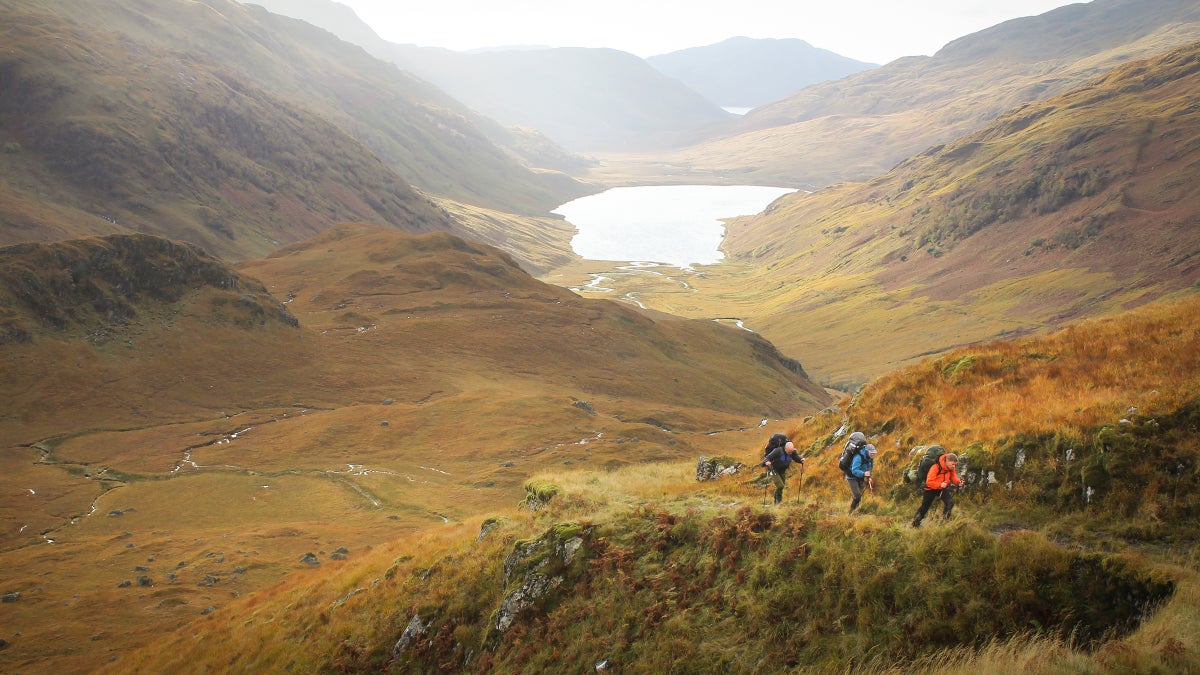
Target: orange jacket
{"points": [[941, 476]]}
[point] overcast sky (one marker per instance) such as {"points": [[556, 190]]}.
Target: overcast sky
{"points": [[875, 31]]}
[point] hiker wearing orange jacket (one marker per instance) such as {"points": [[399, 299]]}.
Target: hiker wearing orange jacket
{"points": [[942, 478]]}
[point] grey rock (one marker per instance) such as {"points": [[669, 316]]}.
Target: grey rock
{"points": [[415, 630]]}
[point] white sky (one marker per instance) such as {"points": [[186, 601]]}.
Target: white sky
{"points": [[875, 31]]}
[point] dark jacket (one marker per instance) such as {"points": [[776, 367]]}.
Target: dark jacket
{"points": [[778, 460]]}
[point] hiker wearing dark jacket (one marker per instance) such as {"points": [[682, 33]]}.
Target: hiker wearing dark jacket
{"points": [[860, 473], [939, 483], [780, 453]]}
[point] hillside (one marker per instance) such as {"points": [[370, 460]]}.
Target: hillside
{"points": [[233, 128], [859, 127], [178, 433], [744, 72], [1081, 205], [1071, 546], [587, 100]]}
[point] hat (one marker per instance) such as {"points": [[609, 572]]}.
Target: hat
{"points": [[870, 449]]}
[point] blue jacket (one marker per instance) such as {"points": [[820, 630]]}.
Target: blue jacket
{"points": [[861, 464]]}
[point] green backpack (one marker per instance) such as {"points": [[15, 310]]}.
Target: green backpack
{"points": [[930, 457]]}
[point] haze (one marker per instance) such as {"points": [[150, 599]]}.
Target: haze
{"points": [[875, 31]]}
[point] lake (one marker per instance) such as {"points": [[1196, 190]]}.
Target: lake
{"points": [[678, 225]]}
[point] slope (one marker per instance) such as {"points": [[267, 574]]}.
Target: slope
{"points": [[862, 125], [168, 423], [128, 137], [291, 121], [647, 570], [1080, 205]]}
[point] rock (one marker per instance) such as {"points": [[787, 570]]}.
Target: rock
{"points": [[414, 631], [538, 567], [125, 584], [145, 581], [488, 525], [208, 610], [310, 559], [712, 469], [11, 597]]}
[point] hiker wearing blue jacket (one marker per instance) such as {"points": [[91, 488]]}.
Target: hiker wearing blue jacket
{"points": [[859, 474]]}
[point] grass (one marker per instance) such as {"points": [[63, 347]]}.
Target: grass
{"points": [[151, 447], [950, 247], [1028, 575]]}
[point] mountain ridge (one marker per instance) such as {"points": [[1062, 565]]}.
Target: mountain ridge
{"points": [[746, 72]]}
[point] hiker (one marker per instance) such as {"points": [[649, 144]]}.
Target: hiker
{"points": [[939, 483], [779, 455], [860, 473]]}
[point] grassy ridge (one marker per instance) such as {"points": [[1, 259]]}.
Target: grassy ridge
{"points": [[672, 574], [161, 417]]}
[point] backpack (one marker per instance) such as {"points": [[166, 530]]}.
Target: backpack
{"points": [[857, 442], [928, 459]]}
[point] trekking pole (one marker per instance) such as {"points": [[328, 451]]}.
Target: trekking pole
{"points": [[800, 486]]}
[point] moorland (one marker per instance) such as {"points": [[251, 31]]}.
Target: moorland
{"points": [[300, 373]]}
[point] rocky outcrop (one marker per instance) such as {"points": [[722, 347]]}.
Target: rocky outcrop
{"points": [[534, 571], [715, 467]]}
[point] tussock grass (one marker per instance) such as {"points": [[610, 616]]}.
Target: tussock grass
{"points": [[686, 576]]}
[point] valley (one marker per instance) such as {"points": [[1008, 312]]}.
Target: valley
{"points": [[302, 374]]}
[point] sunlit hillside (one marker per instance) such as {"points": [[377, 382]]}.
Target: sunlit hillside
{"points": [[177, 433], [860, 126], [1081, 205], [1071, 548]]}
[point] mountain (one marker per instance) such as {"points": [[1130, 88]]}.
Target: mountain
{"points": [[1077, 454], [1082, 204], [744, 72], [232, 128], [177, 432], [588, 100], [860, 126], [584, 99]]}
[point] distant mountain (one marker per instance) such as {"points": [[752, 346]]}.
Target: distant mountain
{"points": [[862, 125], [747, 72], [584, 99]]}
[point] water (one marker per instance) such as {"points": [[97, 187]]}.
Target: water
{"points": [[678, 225]]}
